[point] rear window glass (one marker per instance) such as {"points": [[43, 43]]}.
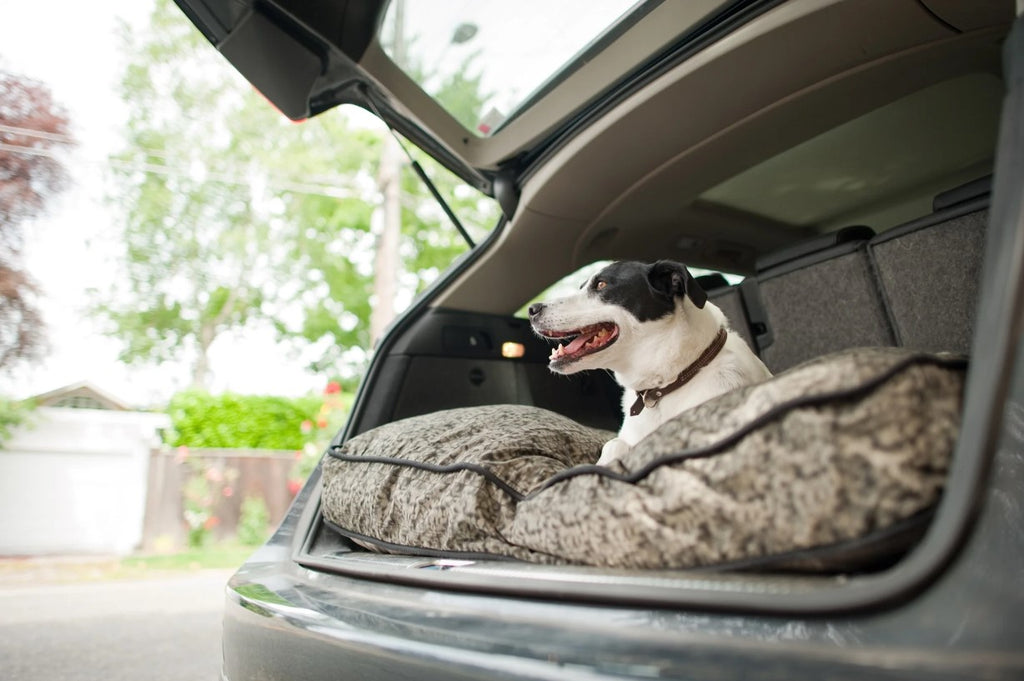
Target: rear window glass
{"points": [[506, 53]]}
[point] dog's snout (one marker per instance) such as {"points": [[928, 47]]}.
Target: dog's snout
{"points": [[536, 309]]}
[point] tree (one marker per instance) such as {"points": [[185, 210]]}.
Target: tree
{"points": [[339, 252], [235, 216], [33, 130], [205, 181], [189, 220], [328, 305]]}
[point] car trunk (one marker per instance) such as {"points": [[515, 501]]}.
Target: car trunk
{"points": [[443, 359]]}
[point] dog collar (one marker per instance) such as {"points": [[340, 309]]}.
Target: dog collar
{"points": [[649, 398]]}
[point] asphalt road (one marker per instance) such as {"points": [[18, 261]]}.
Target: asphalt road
{"points": [[158, 629]]}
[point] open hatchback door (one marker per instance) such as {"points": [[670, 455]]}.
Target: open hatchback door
{"points": [[546, 67]]}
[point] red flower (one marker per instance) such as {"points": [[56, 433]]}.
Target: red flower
{"points": [[293, 487], [306, 426], [211, 522], [333, 387], [227, 491], [321, 423]]}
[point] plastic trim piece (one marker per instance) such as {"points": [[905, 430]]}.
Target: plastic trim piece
{"points": [[757, 315], [855, 234]]}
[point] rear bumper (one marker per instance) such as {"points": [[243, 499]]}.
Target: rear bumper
{"points": [[283, 621]]}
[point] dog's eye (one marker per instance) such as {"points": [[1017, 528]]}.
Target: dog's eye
{"points": [[600, 284]]}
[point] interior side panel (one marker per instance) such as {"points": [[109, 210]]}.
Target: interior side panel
{"points": [[450, 359], [435, 383], [929, 276]]}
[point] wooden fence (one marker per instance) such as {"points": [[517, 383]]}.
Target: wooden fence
{"points": [[229, 476]]}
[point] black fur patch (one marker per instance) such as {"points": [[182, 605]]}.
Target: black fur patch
{"points": [[626, 284], [647, 291]]}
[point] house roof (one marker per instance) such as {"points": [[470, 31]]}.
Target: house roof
{"points": [[82, 395]]}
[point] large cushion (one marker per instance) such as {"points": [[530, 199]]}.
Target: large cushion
{"points": [[829, 452]]}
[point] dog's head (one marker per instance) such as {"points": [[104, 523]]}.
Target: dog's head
{"points": [[612, 306]]}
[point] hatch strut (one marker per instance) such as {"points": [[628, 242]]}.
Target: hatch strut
{"points": [[422, 174]]}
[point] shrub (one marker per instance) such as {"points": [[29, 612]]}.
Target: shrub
{"points": [[239, 421], [253, 521], [204, 484], [13, 413], [335, 405]]}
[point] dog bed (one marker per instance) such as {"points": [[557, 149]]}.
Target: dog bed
{"points": [[839, 453]]}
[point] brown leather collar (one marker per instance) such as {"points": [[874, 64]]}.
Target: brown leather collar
{"points": [[650, 397]]}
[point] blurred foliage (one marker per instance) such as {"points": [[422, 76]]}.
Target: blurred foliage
{"points": [[236, 217], [200, 419], [253, 522], [330, 418], [200, 493], [196, 235], [217, 555], [13, 413], [34, 130]]}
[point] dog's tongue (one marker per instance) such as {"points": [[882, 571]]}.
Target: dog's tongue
{"points": [[578, 342]]}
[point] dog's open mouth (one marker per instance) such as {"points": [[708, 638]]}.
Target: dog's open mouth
{"points": [[585, 341]]}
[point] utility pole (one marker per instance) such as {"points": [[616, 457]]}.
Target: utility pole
{"points": [[389, 180]]}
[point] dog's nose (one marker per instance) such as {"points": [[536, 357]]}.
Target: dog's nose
{"points": [[536, 309]]}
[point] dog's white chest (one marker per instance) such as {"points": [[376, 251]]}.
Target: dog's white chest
{"points": [[635, 428], [655, 413]]}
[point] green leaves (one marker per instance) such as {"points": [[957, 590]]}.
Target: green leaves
{"points": [[234, 216], [232, 421], [13, 413]]}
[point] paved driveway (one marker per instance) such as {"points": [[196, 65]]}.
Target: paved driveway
{"points": [[165, 628]]}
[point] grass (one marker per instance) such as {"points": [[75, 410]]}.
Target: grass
{"points": [[31, 571], [220, 555]]}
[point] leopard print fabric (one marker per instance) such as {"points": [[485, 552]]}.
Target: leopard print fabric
{"points": [[826, 452]]}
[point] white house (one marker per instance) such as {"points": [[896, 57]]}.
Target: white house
{"points": [[74, 481]]}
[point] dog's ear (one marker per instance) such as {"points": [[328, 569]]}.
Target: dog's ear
{"points": [[672, 279]]}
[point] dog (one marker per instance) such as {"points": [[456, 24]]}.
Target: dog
{"points": [[654, 328]]}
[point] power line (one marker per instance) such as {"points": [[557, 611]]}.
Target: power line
{"points": [[222, 177], [276, 184], [28, 151], [41, 134]]}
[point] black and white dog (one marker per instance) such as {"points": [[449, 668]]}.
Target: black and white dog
{"points": [[652, 325]]}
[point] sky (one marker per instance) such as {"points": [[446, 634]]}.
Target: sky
{"points": [[72, 47]]}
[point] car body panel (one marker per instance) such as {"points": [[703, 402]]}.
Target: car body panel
{"points": [[302, 607]]}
